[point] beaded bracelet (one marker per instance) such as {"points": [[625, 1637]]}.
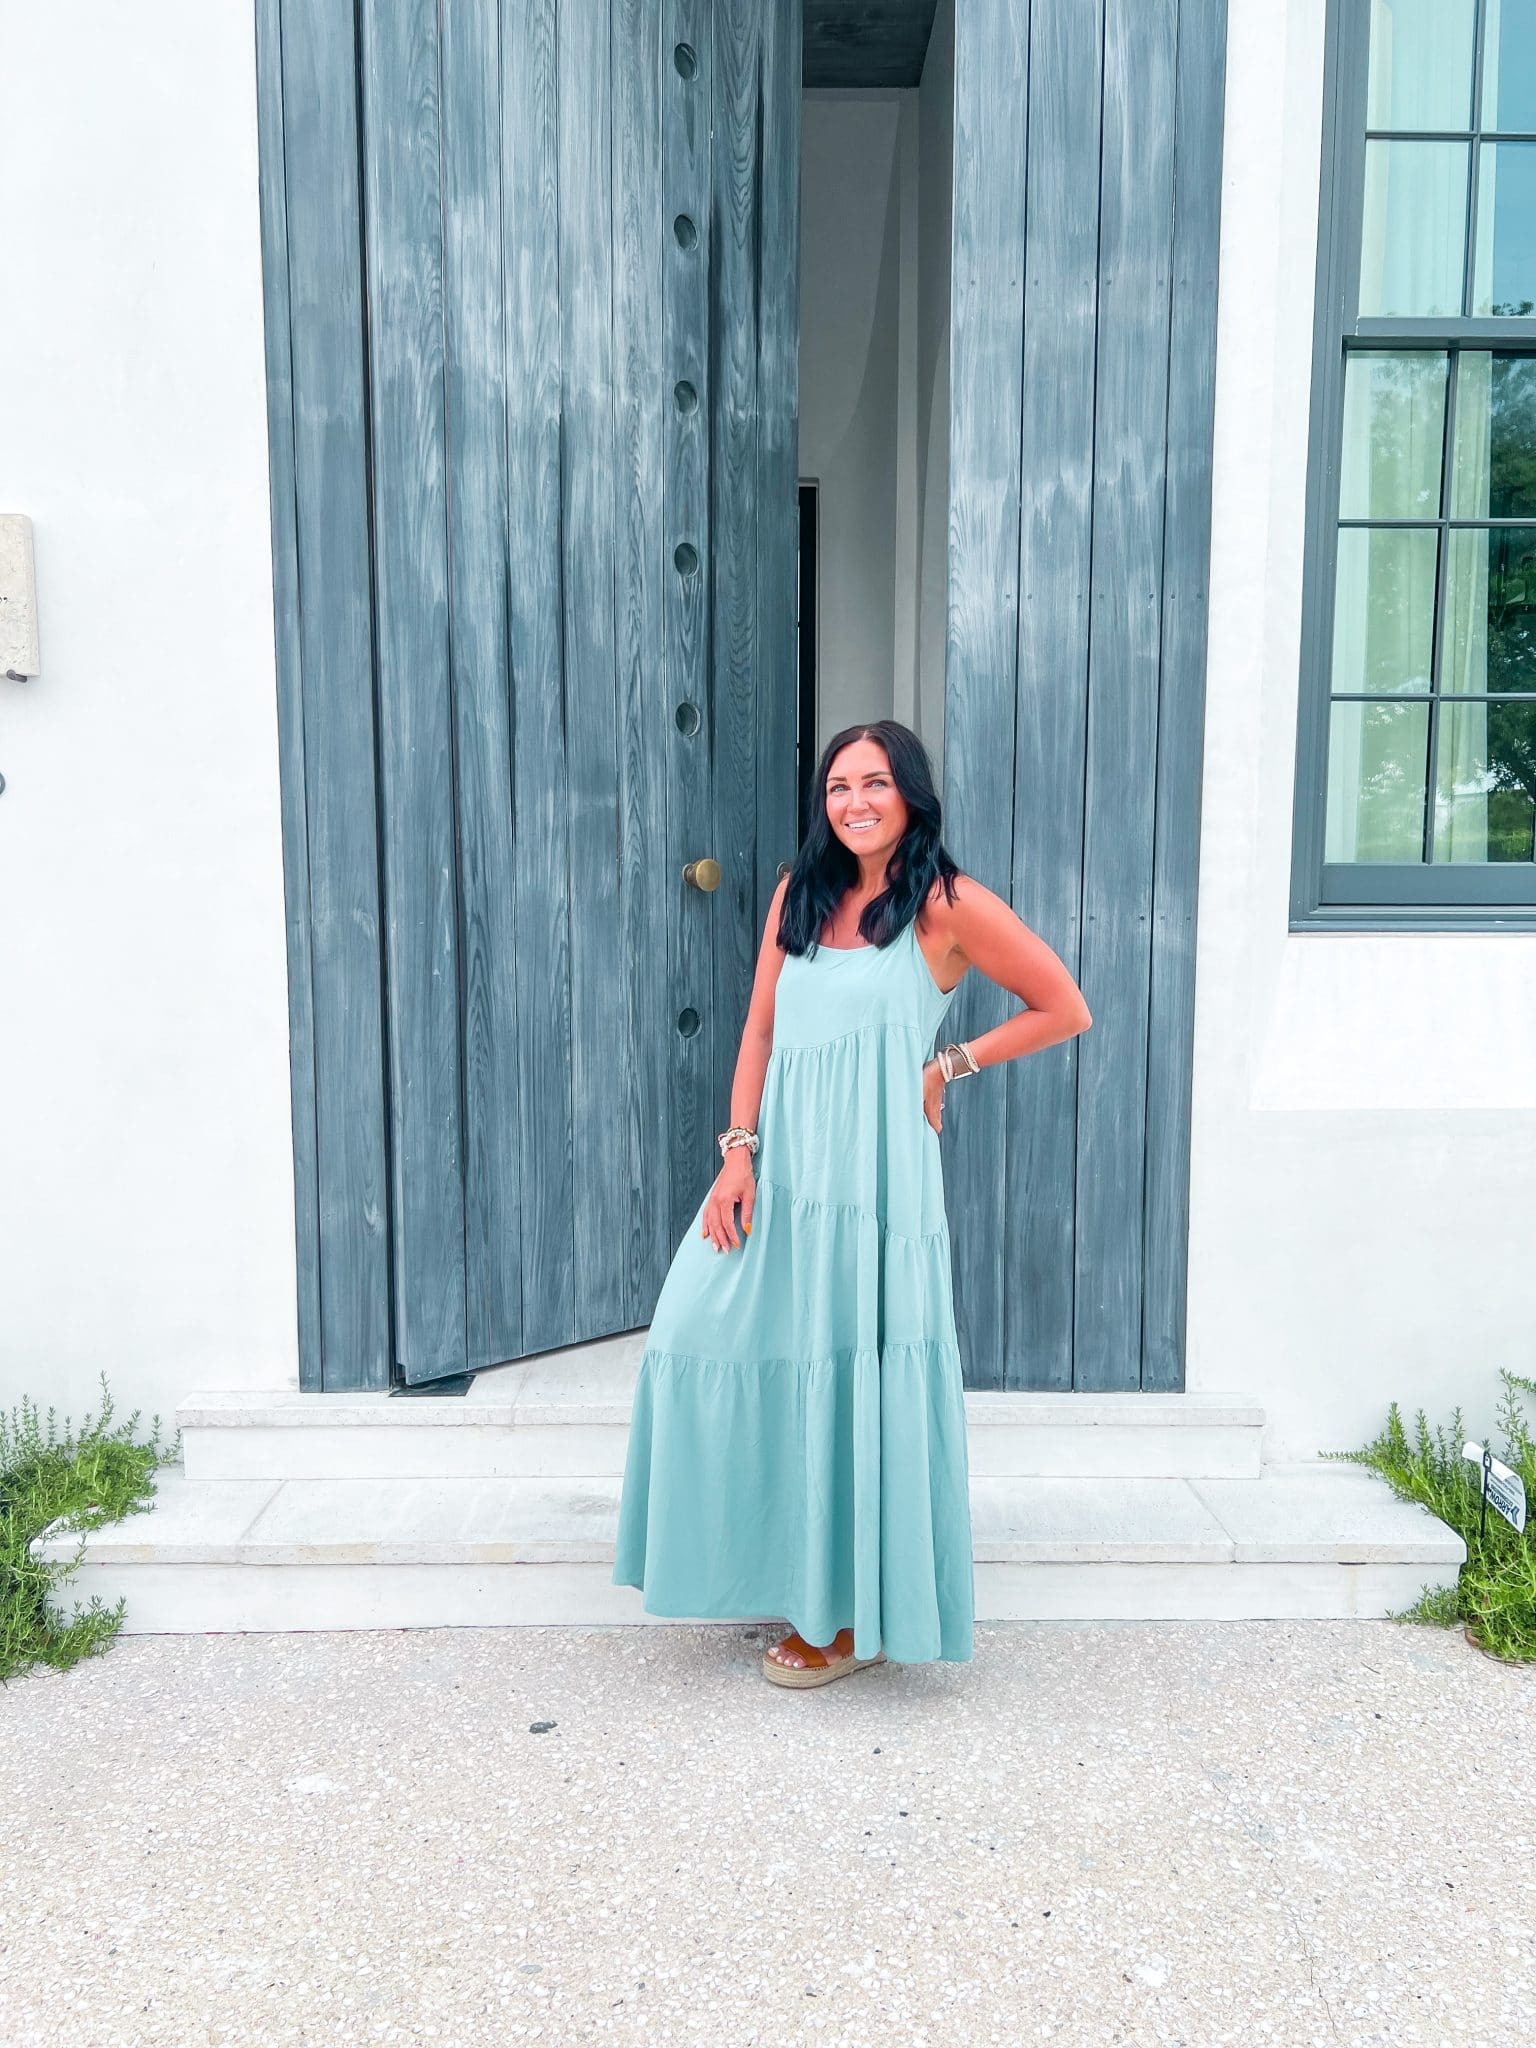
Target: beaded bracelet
{"points": [[738, 1134]]}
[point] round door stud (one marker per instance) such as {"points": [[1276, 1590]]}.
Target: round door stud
{"points": [[685, 60], [688, 1022], [783, 869], [702, 874], [685, 232], [685, 558], [685, 397], [687, 718]]}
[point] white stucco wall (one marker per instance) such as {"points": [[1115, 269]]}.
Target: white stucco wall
{"points": [[1364, 1124], [146, 1197]]}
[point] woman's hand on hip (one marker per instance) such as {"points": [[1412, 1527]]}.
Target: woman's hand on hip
{"points": [[933, 1093], [735, 1182]]}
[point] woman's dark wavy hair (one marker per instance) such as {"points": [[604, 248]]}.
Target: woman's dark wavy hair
{"points": [[824, 869]]}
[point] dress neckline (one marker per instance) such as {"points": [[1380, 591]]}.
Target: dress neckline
{"points": [[910, 930]]}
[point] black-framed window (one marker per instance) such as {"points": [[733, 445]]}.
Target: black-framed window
{"points": [[1416, 767]]}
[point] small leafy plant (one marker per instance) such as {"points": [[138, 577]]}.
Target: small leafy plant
{"points": [[1495, 1594], [81, 1479]]}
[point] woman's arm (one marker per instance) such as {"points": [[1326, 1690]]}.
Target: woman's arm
{"points": [[987, 933], [757, 1032], [736, 1181]]}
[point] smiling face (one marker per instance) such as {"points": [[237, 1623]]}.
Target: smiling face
{"points": [[865, 809]]}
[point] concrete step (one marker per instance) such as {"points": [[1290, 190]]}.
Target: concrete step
{"points": [[566, 1414], [1308, 1541]]}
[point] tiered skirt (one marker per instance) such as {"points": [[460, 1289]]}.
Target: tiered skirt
{"points": [[797, 1448]]}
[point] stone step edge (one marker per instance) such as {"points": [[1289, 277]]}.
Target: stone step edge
{"points": [[274, 1599], [984, 1408], [131, 1541], [364, 1556]]}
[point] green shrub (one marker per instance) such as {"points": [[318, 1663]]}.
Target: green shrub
{"points": [[86, 1478], [1495, 1595]]}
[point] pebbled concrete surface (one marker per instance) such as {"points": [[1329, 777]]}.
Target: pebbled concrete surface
{"points": [[1114, 1834]]}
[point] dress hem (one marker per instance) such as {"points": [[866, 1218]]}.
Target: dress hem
{"points": [[694, 1613]]}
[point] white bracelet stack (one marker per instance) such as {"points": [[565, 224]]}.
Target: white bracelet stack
{"points": [[956, 1063], [738, 1134]]}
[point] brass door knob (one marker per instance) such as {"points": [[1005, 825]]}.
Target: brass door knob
{"points": [[702, 874]]}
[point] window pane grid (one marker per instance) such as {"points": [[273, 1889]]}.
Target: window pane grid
{"points": [[1474, 184], [1402, 791], [1416, 787], [1433, 525], [1448, 222], [1442, 552], [1454, 698], [1427, 756], [1450, 135]]}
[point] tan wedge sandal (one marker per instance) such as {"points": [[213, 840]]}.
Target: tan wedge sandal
{"points": [[819, 1668]]}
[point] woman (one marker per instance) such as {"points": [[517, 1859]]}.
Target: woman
{"points": [[797, 1445]]}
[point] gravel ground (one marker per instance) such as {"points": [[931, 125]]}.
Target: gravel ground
{"points": [[1252, 1833]]}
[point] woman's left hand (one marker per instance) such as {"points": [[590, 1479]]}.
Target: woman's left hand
{"points": [[933, 1094]]}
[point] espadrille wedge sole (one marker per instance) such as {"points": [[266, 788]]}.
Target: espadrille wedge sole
{"points": [[813, 1672]]}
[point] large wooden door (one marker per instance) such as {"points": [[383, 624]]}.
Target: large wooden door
{"points": [[1088, 145], [532, 323]]}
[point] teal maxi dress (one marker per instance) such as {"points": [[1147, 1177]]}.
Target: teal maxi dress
{"points": [[797, 1447]]}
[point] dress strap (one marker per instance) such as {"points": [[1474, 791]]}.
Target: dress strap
{"points": [[941, 995]]}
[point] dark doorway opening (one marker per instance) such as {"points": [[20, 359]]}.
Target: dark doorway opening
{"points": [[805, 642]]}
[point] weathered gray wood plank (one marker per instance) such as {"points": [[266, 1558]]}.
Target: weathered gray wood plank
{"points": [[290, 688], [1135, 262], [531, 323], [778, 420], [686, 175], [475, 370], [648, 736], [404, 223], [337, 790], [991, 95], [1201, 72], [602, 1063], [1055, 549], [735, 282]]}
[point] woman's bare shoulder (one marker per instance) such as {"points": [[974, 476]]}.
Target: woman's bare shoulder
{"points": [[963, 898], [976, 922]]}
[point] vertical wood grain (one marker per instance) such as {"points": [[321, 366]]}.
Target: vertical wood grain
{"points": [[735, 282], [647, 734], [290, 690], [698, 1059], [1201, 71], [334, 785], [480, 615], [987, 288], [530, 270], [403, 242], [475, 370], [1055, 549], [1130, 420], [778, 468], [601, 1059], [1078, 745]]}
